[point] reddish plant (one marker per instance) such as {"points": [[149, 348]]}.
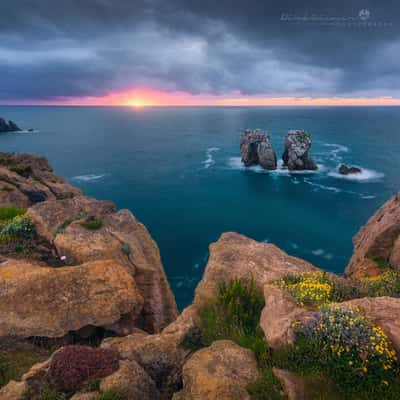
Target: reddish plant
{"points": [[74, 366]]}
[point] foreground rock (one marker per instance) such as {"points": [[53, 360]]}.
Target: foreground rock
{"points": [[9, 126], [278, 316], [27, 180], [219, 372], [345, 170], [121, 238], [256, 149], [378, 240], [295, 155], [237, 256], [50, 302]]}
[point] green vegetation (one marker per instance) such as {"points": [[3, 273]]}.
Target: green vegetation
{"points": [[20, 169], [383, 263], [235, 315], [112, 394], [8, 213], [16, 360], [92, 223], [63, 226], [345, 347], [386, 284], [18, 227]]}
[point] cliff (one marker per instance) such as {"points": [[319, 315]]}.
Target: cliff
{"points": [[80, 277]]}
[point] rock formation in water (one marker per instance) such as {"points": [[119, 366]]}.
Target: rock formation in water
{"points": [[295, 155], [345, 170], [9, 126], [377, 244], [256, 149], [105, 285]]}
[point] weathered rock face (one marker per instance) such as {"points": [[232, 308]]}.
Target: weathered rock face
{"points": [[50, 302], [278, 316], [378, 239], [295, 155], [293, 386], [27, 180], [382, 311], [9, 126], [345, 170], [219, 372], [121, 238], [256, 148], [236, 256]]}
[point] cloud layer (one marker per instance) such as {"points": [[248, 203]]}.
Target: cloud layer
{"points": [[52, 49]]}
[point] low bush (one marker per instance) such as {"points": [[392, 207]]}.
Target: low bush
{"points": [[235, 315], [386, 284], [8, 213], [19, 227], [346, 347], [92, 223], [73, 367]]}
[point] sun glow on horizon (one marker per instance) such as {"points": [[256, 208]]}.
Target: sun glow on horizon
{"points": [[143, 97]]}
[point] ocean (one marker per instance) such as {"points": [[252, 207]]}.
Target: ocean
{"points": [[179, 171]]}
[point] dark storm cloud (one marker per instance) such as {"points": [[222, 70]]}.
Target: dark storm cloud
{"points": [[79, 48]]}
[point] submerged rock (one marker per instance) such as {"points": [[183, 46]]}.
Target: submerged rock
{"points": [[345, 170], [256, 149], [9, 126], [377, 241], [295, 155]]}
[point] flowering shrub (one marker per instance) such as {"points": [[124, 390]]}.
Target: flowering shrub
{"points": [[8, 213], [308, 288], [351, 346], [74, 366], [386, 284], [19, 226]]}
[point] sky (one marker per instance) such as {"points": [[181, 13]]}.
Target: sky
{"points": [[186, 52]]}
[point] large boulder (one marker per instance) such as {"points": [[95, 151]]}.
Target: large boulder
{"points": [[256, 148], [378, 240], [9, 126], [50, 302], [295, 155], [27, 180], [131, 381], [219, 372], [237, 256], [121, 237], [279, 315], [382, 311]]}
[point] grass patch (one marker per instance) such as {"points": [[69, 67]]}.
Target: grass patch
{"points": [[15, 360], [92, 223], [235, 315], [386, 284], [112, 394], [383, 263], [8, 213]]}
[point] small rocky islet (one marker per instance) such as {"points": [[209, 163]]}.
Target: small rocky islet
{"points": [[86, 310], [9, 126], [256, 149]]}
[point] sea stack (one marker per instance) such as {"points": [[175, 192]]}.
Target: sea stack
{"points": [[295, 155], [256, 149], [9, 126]]}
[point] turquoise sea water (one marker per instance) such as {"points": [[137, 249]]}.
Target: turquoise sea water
{"points": [[179, 171]]}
